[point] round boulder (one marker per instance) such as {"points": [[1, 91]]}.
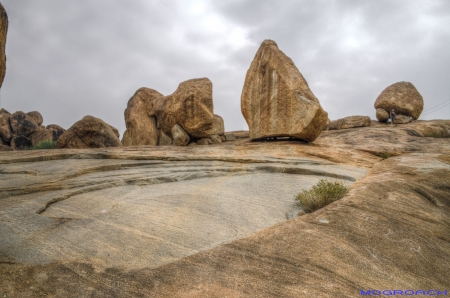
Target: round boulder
{"points": [[22, 124], [37, 117], [382, 115], [403, 97]]}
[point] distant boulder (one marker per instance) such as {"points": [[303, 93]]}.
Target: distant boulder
{"points": [[22, 124], [218, 127], [20, 143], [44, 134], [350, 122], [37, 117], [89, 132], [401, 119], [403, 97]]}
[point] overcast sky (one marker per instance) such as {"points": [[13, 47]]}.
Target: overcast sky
{"points": [[67, 59]]}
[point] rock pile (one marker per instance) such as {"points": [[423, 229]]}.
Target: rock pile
{"points": [[184, 117], [350, 122], [276, 99], [89, 132], [404, 98], [23, 130]]}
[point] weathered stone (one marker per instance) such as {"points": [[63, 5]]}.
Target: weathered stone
{"points": [[276, 99], [350, 122], [3, 32], [37, 117], [55, 127], [20, 143], [163, 139], [403, 97], [230, 137], [116, 132], [3, 142], [58, 130], [223, 138], [401, 119], [190, 106], [2, 110], [45, 135], [140, 119], [382, 115], [5, 127], [180, 137], [215, 139], [327, 125], [5, 148], [218, 126], [22, 124], [89, 132], [204, 141]]}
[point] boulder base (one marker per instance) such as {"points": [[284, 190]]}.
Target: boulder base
{"points": [[276, 99], [180, 137], [382, 115], [401, 119]]}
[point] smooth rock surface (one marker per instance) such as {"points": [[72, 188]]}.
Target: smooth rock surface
{"points": [[180, 137], [277, 101], [382, 115], [140, 119], [22, 124], [350, 122], [403, 97], [89, 132]]}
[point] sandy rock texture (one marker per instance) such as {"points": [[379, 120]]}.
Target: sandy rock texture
{"points": [[22, 124], [217, 221], [3, 33], [89, 132], [403, 97], [382, 115], [276, 99], [37, 117], [350, 122], [5, 127]]}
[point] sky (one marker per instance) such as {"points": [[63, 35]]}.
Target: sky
{"points": [[67, 59]]}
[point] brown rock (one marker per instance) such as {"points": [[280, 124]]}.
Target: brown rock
{"points": [[403, 97], [20, 143], [218, 126], [190, 106], [3, 142], [37, 117], [204, 141], [116, 132], [230, 137], [140, 119], [2, 110], [276, 99], [5, 127], [3, 32], [55, 127], [401, 119], [215, 139], [89, 132], [22, 124], [327, 125], [5, 148], [163, 139], [350, 122], [180, 137], [45, 135], [223, 138], [382, 115]]}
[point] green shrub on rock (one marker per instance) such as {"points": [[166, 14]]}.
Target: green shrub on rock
{"points": [[320, 195]]}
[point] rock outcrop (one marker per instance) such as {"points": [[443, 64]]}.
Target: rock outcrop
{"points": [[180, 137], [350, 122], [218, 127], [277, 101], [89, 132], [20, 143], [37, 117], [22, 124], [403, 97], [382, 115], [44, 134], [3, 32], [141, 127], [5, 127], [190, 106]]}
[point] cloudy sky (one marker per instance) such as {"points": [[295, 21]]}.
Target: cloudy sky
{"points": [[68, 59]]}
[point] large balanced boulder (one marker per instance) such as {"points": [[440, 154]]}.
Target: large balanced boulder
{"points": [[5, 127], [276, 99], [350, 122], [190, 106], [3, 32], [37, 117], [403, 97], [89, 132], [22, 124], [141, 128]]}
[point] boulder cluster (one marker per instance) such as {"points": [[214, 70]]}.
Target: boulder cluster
{"points": [[182, 118], [23, 130]]}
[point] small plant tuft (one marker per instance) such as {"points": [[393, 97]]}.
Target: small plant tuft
{"points": [[320, 195], [385, 155], [46, 144]]}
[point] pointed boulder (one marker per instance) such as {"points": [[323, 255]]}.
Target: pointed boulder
{"points": [[276, 99]]}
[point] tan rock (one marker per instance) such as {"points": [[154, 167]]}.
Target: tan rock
{"points": [[180, 137], [140, 119], [204, 141], [350, 122], [163, 139], [276, 99], [37, 117], [230, 137], [116, 132], [327, 125], [5, 148], [45, 135], [215, 139], [223, 138], [20, 143], [89, 132], [22, 124], [190, 106], [218, 126], [401, 119], [5, 127], [3, 32], [403, 97], [382, 115]]}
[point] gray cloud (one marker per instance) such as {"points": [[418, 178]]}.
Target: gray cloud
{"points": [[68, 59]]}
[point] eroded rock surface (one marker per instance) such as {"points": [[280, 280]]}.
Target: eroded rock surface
{"points": [[37, 117], [3, 33], [22, 124], [350, 122], [5, 127], [277, 101]]}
